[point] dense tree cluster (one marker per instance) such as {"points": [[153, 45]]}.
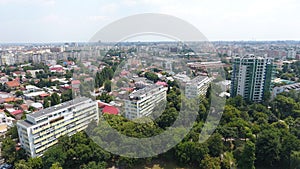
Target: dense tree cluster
{"points": [[151, 76], [249, 135], [106, 74], [290, 71]]}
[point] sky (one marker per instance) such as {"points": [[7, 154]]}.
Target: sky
{"points": [[43, 21]]}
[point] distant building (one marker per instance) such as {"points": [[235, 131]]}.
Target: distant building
{"points": [[225, 85], [13, 84], [56, 68], [251, 77], [75, 85], [182, 77], [142, 102], [285, 88], [40, 130], [106, 108], [197, 86], [291, 54], [7, 59]]}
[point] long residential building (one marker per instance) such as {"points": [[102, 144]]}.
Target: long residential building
{"points": [[142, 102], [197, 86], [41, 130], [285, 88], [251, 77]]}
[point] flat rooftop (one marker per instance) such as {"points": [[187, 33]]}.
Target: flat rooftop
{"points": [[295, 86], [57, 107], [143, 91], [197, 80], [46, 111]]}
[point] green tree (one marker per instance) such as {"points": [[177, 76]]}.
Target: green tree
{"points": [[210, 162], [167, 118], [215, 145], [107, 85], [190, 152], [247, 157], [295, 160], [13, 132], [8, 150], [66, 95], [268, 147], [228, 161], [46, 102], [56, 166], [55, 99], [35, 163], [151, 76], [94, 165], [53, 155], [22, 164], [290, 143], [18, 93]]}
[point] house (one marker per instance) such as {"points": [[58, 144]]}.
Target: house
{"points": [[110, 110], [162, 83], [5, 120], [56, 68], [23, 107], [13, 84], [106, 108], [75, 84], [3, 128], [17, 114], [37, 106]]}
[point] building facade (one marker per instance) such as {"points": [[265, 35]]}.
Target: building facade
{"points": [[41, 130], [251, 77], [197, 86], [291, 54], [285, 88], [142, 102]]}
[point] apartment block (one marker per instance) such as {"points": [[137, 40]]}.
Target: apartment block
{"points": [[285, 88], [251, 77], [142, 102], [41, 130], [197, 86]]}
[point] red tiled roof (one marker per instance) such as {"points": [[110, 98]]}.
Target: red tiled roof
{"points": [[74, 82], [17, 112], [44, 95], [13, 83], [102, 104], [124, 73], [9, 99], [129, 89], [24, 107], [162, 83], [110, 110]]}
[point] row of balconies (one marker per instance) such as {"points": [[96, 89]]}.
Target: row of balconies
{"points": [[40, 129]]}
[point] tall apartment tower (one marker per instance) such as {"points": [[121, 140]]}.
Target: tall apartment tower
{"points": [[41, 130], [251, 77]]}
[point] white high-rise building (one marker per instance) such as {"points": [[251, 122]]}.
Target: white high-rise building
{"points": [[41, 130], [142, 102], [8, 59], [291, 54], [251, 77], [197, 86]]}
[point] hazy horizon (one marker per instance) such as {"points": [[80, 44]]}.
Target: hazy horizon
{"points": [[50, 21]]}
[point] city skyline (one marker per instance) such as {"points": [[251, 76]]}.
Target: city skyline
{"points": [[44, 21]]}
